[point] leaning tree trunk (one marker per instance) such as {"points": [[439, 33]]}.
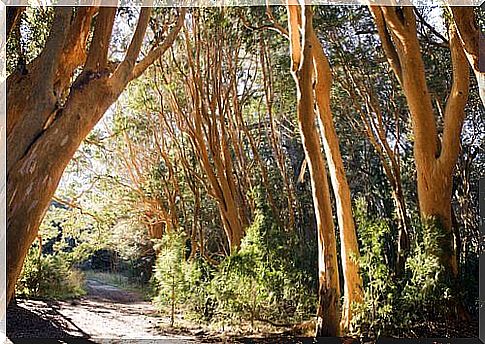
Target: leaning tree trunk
{"points": [[45, 130], [328, 313], [435, 158]]}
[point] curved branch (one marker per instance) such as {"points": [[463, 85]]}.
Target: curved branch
{"points": [[158, 52]]}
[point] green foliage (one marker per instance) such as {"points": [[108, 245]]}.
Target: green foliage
{"points": [[180, 284], [169, 270], [391, 304], [375, 315], [49, 277], [258, 282], [427, 286], [29, 37]]}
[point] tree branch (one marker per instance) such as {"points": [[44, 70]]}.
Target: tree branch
{"points": [[13, 16], [74, 51], [295, 37], [98, 51], [160, 50], [50, 56], [430, 27], [387, 44], [455, 106], [275, 27], [76, 206], [123, 73]]}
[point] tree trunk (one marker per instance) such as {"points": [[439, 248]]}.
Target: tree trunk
{"points": [[328, 314], [435, 157], [435, 191], [205, 123], [46, 129], [348, 238], [473, 42], [403, 243], [34, 178]]}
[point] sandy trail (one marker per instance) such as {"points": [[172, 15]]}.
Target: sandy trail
{"points": [[105, 314]]}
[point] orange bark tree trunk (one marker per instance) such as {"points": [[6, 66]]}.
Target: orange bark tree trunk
{"points": [[348, 237], [435, 157], [473, 42], [203, 114], [48, 116], [302, 50]]}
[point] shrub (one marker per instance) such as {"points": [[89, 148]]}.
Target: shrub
{"points": [[375, 316], [391, 305], [261, 281], [170, 279], [50, 277], [426, 291]]}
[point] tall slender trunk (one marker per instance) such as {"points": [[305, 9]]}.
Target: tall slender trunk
{"points": [[348, 238], [328, 313], [403, 243]]}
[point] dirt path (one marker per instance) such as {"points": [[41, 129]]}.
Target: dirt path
{"points": [[106, 312]]}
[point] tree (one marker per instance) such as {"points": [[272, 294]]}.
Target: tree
{"points": [[349, 245], [372, 121], [435, 154], [52, 108], [341, 190], [302, 50], [204, 116]]}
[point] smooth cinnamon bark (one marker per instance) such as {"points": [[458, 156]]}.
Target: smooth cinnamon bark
{"points": [[348, 237], [302, 50]]}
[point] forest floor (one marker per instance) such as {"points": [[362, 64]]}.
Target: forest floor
{"points": [[111, 314], [106, 314]]}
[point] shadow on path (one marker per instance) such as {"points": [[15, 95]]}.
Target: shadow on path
{"points": [[42, 324]]}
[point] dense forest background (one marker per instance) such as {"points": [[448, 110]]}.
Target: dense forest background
{"points": [[197, 187]]}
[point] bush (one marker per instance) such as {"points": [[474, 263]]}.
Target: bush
{"points": [[375, 316], [391, 305], [50, 277], [427, 291], [169, 272], [261, 281]]}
